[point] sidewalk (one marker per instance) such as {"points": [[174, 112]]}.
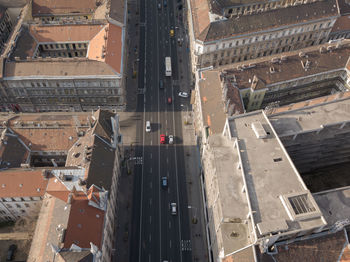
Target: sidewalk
{"points": [[194, 191]]}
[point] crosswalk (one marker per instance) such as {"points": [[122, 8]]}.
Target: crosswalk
{"points": [[186, 245]]}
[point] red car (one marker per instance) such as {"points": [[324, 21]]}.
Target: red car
{"points": [[162, 139], [169, 100]]}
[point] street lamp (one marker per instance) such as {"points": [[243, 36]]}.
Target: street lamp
{"points": [[186, 122], [194, 219]]}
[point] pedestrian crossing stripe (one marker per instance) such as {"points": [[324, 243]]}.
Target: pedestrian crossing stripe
{"points": [[186, 245]]}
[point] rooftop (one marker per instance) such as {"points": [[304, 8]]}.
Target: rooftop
{"points": [[117, 10], [206, 31], [289, 66], [104, 51], [63, 7], [271, 201], [312, 116]]}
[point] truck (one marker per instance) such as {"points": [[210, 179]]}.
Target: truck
{"points": [[167, 66]]}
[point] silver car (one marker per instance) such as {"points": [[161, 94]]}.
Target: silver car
{"points": [[183, 94], [171, 139]]}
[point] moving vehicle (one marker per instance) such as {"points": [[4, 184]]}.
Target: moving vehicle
{"points": [[164, 182], [159, 6], [161, 86], [165, 3], [162, 139], [171, 139], [148, 126], [172, 32], [183, 94], [169, 100], [173, 209], [167, 66]]}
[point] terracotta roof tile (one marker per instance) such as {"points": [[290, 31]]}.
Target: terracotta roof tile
{"points": [[22, 183], [64, 33], [62, 7], [85, 224]]}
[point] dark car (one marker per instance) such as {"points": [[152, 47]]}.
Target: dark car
{"points": [[161, 86], [164, 182], [11, 252], [165, 3]]}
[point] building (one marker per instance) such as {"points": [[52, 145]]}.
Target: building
{"points": [[65, 67], [220, 35], [341, 28], [47, 11], [5, 27], [269, 82], [256, 180], [62, 169]]}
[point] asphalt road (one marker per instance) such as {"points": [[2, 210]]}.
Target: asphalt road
{"points": [[157, 235]]}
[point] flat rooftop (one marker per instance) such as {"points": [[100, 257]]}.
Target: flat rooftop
{"points": [[273, 184], [312, 116]]}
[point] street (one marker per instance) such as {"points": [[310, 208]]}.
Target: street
{"points": [[157, 234]]}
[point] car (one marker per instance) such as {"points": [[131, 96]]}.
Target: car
{"points": [[180, 7], [162, 139], [161, 86], [171, 33], [183, 94], [148, 126], [173, 209], [164, 182], [159, 6], [171, 139], [11, 252], [169, 100], [165, 3]]}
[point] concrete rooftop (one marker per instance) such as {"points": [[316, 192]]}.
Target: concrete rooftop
{"points": [[272, 181]]}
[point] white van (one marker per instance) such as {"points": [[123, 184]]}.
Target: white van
{"points": [[148, 126]]}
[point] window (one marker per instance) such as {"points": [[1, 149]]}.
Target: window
{"points": [[26, 204], [230, 45]]}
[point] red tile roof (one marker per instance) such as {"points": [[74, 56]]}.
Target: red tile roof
{"points": [[85, 223], [22, 183]]}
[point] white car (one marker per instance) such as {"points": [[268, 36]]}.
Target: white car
{"points": [[148, 126], [183, 94], [171, 139], [173, 209]]}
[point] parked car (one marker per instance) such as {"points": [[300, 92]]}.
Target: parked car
{"points": [[148, 126], [164, 182], [173, 209], [169, 100], [171, 139], [11, 252], [183, 94], [162, 139]]}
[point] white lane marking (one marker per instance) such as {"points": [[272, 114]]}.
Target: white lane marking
{"points": [[170, 243], [149, 258], [169, 224], [150, 219], [150, 155], [167, 160], [151, 142], [150, 238], [150, 170], [150, 201]]}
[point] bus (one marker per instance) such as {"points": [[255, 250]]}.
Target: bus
{"points": [[167, 66]]}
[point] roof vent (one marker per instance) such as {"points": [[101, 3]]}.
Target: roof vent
{"points": [[323, 50], [272, 70], [274, 60], [259, 130], [302, 54]]}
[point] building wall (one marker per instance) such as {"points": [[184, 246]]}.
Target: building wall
{"points": [[5, 29], [67, 17], [263, 43], [296, 90], [12, 208], [108, 242], [41, 95]]}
